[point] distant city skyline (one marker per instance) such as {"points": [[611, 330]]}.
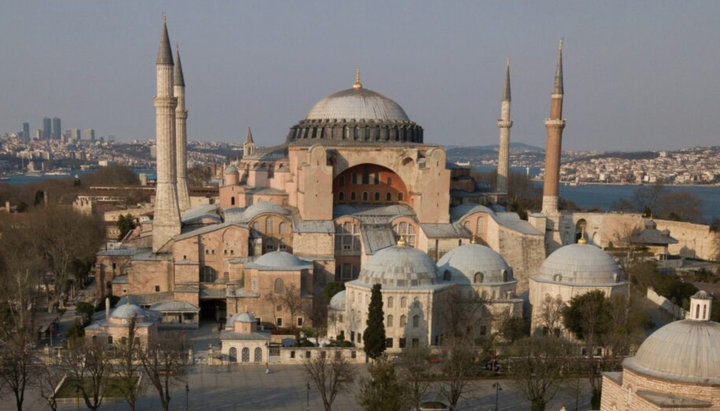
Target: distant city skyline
{"points": [[638, 75]]}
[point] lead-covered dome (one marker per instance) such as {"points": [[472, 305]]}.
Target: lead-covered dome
{"points": [[580, 264], [474, 264], [353, 116], [337, 302], [279, 261], [685, 351], [399, 266], [128, 311]]}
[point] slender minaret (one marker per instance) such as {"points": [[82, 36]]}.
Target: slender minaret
{"points": [[249, 144], [181, 135], [554, 125], [166, 222], [504, 124]]}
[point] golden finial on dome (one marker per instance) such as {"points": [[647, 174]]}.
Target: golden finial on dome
{"points": [[582, 240], [357, 84], [401, 241], [472, 239]]}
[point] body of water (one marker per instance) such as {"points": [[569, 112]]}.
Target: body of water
{"points": [[20, 179]]}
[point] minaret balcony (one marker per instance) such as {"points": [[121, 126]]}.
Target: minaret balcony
{"points": [[504, 123], [555, 122]]}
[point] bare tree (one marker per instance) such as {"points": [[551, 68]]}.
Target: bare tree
{"points": [[317, 312], [413, 364], [551, 314], [89, 365], [165, 362], [330, 376], [292, 300], [537, 368], [128, 369], [49, 376], [16, 360]]}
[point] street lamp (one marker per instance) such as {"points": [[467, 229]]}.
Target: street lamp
{"points": [[498, 388], [307, 407], [187, 396], [267, 358]]}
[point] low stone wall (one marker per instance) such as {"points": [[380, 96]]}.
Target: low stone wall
{"points": [[298, 355], [677, 312]]}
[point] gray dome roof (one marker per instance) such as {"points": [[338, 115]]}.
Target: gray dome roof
{"points": [[580, 264], [399, 267], [128, 311], [357, 103], [337, 302], [279, 260], [686, 351], [263, 207], [465, 261], [244, 318]]}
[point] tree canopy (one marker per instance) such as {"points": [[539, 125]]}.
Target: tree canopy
{"points": [[374, 334]]}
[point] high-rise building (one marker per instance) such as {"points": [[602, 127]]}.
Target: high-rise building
{"points": [[38, 134], [47, 128], [56, 128], [76, 135], [89, 134], [26, 132]]}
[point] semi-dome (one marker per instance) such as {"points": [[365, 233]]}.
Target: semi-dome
{"points": [[399, 266], [580, 264], [354, 116], [685, 351], [474, 264], [262, 207], [128, 311], [279, 261], [337, 302]]}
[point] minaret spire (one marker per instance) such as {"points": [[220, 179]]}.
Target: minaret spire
{"points": [[504, 124], [357, 84], [180, 134], [166, 221], [553, 146]]}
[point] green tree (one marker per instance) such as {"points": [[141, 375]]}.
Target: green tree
{"points": [[382, 391], [374, 334], [125, 223], [333, 288]]}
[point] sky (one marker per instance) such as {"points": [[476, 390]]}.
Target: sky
{"points": [[639, 75]]}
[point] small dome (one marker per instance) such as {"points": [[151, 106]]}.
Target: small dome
{"points": [[279, 260], [464, 263], [359, 104], [685, 351], [128, 311], [580, 264], [337, 302], [244, 318], [399, 266]]}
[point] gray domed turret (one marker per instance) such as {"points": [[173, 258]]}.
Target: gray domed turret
{"points": [[474, 264], [399, 266], [580, 264]]}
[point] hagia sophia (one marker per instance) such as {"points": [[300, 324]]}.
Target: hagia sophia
{"points": [[355, 194]]}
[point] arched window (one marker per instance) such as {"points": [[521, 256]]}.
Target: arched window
{"points": [[279, 286], [256, 226], [246, 354], [400, 196], [232, 200], [388, 196], [365, 196], [446, 275], [479, 277], [403, 320], [390, 302], [341, 196], [505, 275], [389, 322], [377, 196], [269, 226], [416, 321], [233, 354], [283, 228], [258, 354], [403, 302], [209, 275]]}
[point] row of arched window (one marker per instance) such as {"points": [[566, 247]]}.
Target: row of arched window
{"points": [[257, 354], [403, 321]]}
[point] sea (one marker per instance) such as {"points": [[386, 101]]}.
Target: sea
{"points": [[586, 196]]}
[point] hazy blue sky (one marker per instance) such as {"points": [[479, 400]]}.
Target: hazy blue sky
{"points": [[638, 74]]}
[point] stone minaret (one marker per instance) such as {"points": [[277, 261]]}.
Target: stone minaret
{"points": [[554, 125], [504, 123], [166, 222], [249, 144], [181, 136]]}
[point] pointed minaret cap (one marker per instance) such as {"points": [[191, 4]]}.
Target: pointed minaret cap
{"points": [[558, 85], [357, 84], [248, 136], [506, 93], [164, 55], [178, 71]]}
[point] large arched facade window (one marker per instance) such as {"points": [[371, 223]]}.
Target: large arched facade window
{"points": [[407, 231], [208, 275], [369, 183]]}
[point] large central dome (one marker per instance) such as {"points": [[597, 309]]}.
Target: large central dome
{"points": [[357, 103], [356, 116]]}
